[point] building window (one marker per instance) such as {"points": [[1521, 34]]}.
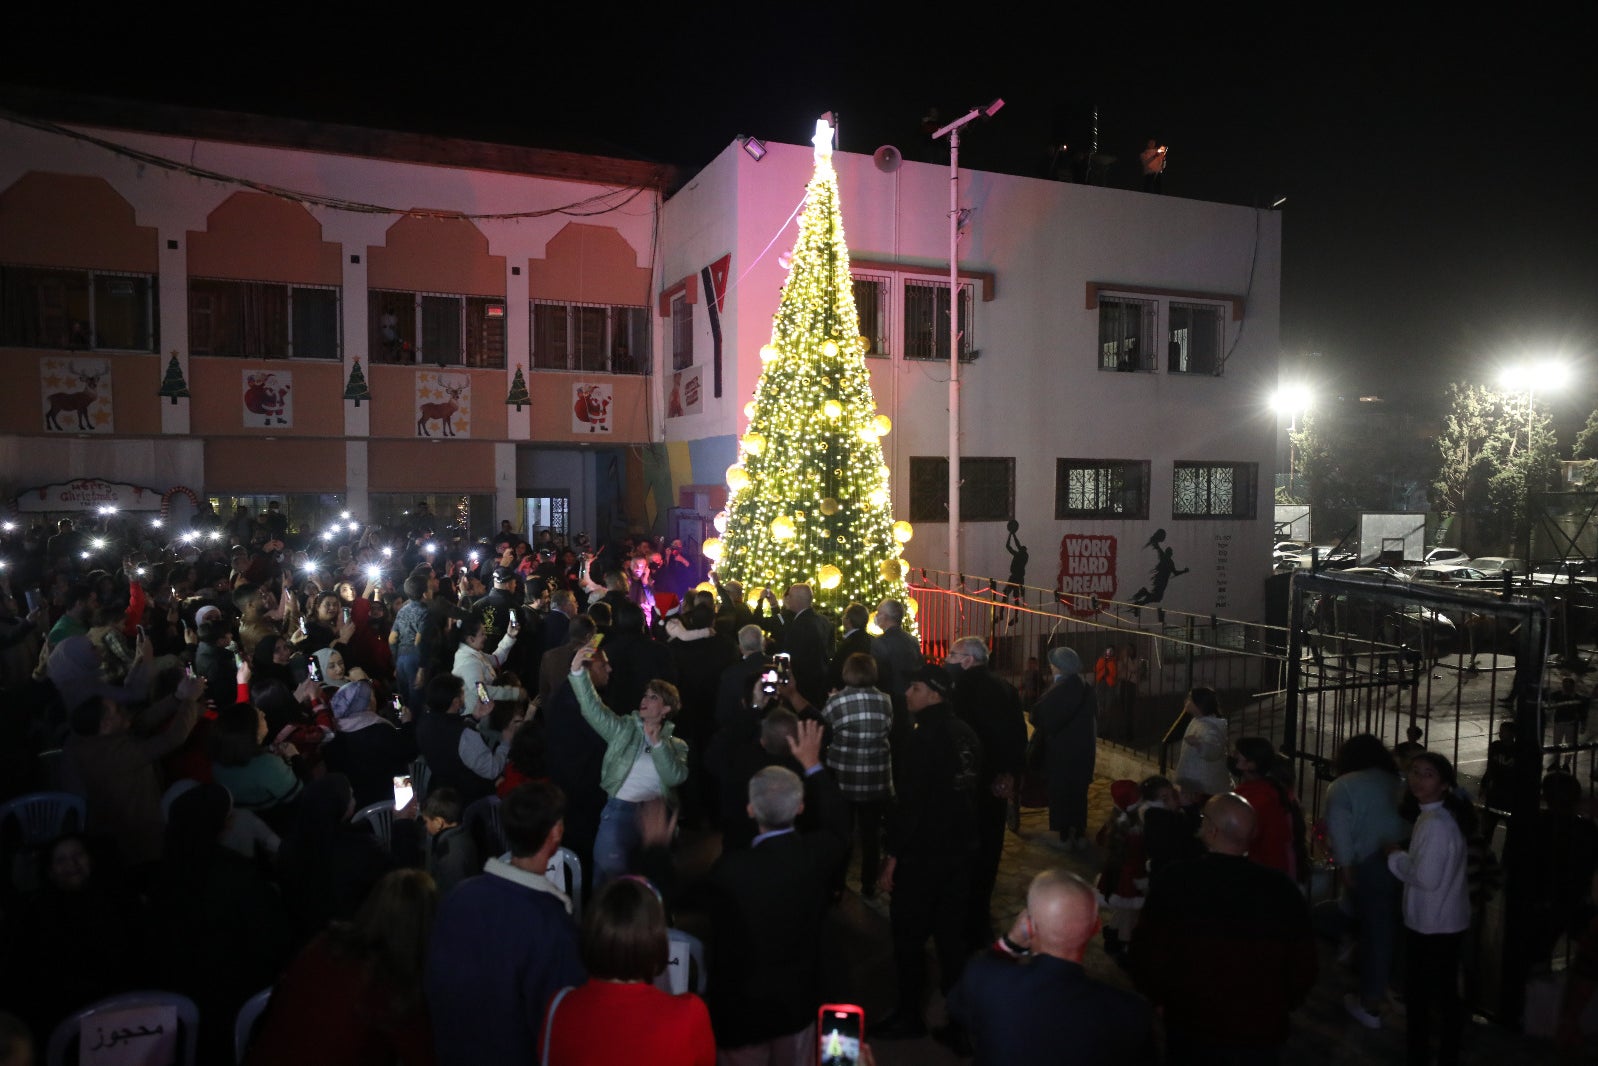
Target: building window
{"points": [[1126, 334], [926, 321], [593, 337], [682, 333], [1214, 490], [444, 329], [263, 319], [987, 489], [871, 304], [1101, 488], [78, 310], [1194, 338]]}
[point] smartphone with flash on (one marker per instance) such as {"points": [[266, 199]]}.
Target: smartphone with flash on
{"points": [[482, 693], [403, 792], [840, 1031], [313, 670]]}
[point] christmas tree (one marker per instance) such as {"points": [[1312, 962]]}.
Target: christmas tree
{"points": [[173, 384], [518, 390], [810, 499], [355, 389]]}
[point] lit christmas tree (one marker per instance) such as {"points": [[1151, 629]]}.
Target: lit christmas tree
{"points": [[810, 498]]}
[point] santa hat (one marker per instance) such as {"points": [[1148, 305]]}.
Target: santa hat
{"points": [[1125, 794]]}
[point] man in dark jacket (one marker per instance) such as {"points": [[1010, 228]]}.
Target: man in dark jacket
{"points": [[855, 639], [991, 706], [807, 638], [769, 902], [504, 943], [1034, 973], [1244, 927], [931, 849]]}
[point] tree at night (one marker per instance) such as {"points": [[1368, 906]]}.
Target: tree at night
{"points": [[810, 499]]}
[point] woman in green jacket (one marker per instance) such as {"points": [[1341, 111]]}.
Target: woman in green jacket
{"points": [[643, 761]]}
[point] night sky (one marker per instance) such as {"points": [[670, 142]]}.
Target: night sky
{"points": [[1440, 217]]}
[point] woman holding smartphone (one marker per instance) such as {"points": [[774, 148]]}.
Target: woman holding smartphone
{"points": [[643, 761]]}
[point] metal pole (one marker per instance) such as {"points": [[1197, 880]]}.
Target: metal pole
{"points": [[954, 353]]}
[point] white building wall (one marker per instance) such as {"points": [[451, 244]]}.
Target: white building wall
{"points": [[1035, 393]]}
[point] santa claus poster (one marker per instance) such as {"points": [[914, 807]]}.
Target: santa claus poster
{"points": [[590, 408], [687, 393], [268, 399], [76, 395]]}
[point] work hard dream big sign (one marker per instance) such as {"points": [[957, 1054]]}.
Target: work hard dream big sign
{"points": [[1087, 570]]}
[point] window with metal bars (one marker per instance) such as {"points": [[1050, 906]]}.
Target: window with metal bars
{"points": [[445, 329], [1214, 490], [1101, 488], [602, 338], [987, 489], [47, 307], [263, 319], [1126, 334], [926, 321], [871, 305]]}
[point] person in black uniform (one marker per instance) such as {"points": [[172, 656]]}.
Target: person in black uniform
{"points": [[931, 849]]}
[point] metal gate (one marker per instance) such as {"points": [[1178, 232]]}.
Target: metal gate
{"points": [[1375, 654]]}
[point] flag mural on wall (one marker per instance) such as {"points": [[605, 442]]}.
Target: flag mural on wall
{"points": [[76, 395], [590, 408], [443, 404], [268, 398]]}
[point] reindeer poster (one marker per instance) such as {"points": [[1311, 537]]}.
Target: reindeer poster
{"points": [[268, 398], [590, 408], [443, 404], [76, 394]]}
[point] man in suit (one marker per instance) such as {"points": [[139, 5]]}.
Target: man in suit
{"points": [[769, 902], [1033, 975], [807, 638], [855, 639]]}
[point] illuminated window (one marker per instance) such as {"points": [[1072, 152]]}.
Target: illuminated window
{"points": [[1194, 338], [1214, 490], [1126, 334]]}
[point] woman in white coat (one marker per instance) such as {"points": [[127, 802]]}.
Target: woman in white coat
{"points": [[1201, 768]]}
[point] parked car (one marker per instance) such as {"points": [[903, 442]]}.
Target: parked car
{"points": [[1459, 574], [1492, 564], [1285, 548], [1565, 572], [1445, 555]]}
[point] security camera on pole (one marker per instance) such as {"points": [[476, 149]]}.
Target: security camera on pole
{"points": [[953, 132]]}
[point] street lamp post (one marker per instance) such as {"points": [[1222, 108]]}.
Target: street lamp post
{"points": [[1290, 400], [1548, 374]]}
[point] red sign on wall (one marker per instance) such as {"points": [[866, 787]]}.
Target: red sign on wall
{"points": [[1087, 571]]}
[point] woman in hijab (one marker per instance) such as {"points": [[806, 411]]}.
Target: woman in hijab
{"points": [[1067, 717], [366, 747]]}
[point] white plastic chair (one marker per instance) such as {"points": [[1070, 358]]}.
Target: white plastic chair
{"points": [[43, 816], [63, 1049], [566, 872], [244, 1024], [421, 778], [685, 964], [380, 817]]}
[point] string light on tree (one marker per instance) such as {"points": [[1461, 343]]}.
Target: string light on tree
{"points": [[810, 493]]}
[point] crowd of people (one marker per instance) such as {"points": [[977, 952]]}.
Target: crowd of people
{"points": [[225, 703]]}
